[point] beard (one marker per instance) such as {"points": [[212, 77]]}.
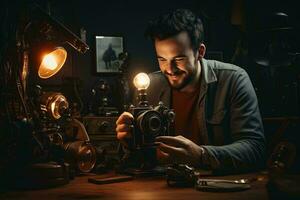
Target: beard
{"points": [[184, 79]]}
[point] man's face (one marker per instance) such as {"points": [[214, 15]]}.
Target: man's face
{"points": [[177, 60]]}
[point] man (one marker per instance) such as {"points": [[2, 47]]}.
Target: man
{"points": [[217, 125], [109, 55]]}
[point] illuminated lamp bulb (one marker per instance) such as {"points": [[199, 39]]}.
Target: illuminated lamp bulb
{"points": [[141, 81], [52, 62]]}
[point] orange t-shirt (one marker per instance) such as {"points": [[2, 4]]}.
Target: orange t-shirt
{"points": [[186, 121]]}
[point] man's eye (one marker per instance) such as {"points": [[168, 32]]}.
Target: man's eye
{"points": [[161, 60], [179, 59]]}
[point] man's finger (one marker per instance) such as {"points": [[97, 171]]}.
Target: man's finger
{"points": [[123, 135], [125, 118], [123, 128], [172, 154], [162, 157], [172, 151], [172, 141]]}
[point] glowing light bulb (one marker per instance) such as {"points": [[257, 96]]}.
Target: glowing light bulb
{"points": [[141, 81], [50, 62]]}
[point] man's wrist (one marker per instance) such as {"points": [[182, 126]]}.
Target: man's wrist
{"points": [[203, 158]]}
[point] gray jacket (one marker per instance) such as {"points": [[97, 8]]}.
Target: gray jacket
{"points": [[230, 121]]}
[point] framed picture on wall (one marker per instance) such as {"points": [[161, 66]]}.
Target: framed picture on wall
{"points": [[108, 49]]}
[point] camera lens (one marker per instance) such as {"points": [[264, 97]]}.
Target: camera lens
{"points": [[150, 123], [154, 123]]}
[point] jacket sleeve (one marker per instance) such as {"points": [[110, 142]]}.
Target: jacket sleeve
{"points": [[247, 150]]}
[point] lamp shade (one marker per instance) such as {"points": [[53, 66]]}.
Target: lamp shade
{"points": [[52, 62]]}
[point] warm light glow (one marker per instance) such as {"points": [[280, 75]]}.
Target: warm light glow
{"points": [[141, 81], [52, 62]]}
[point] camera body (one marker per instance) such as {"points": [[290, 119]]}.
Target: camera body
{"points": [[149, 123]]}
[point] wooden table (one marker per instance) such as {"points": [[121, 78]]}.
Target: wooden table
{"points": [[141, 188]]}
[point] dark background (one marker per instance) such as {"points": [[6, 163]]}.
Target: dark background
{"points": [[129, 19], [233, 33]]}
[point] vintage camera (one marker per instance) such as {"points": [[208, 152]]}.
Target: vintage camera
{"points": [[149, 122], [64, 137]]}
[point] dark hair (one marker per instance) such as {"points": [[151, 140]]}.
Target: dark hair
{"points": [[173, 23]]}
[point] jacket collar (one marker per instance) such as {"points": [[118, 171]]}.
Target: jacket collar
{"points": [[208, 75]]}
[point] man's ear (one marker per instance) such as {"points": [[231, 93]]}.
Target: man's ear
{"points": [[201, 51]]}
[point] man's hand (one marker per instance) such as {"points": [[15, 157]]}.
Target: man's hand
{"points": [[178, 150], [123, 128]]}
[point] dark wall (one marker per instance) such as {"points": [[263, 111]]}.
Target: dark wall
{"points": [[129, 19], [112, 18]]}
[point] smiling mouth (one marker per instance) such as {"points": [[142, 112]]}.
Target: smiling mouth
{"points": [[174, 77]]}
